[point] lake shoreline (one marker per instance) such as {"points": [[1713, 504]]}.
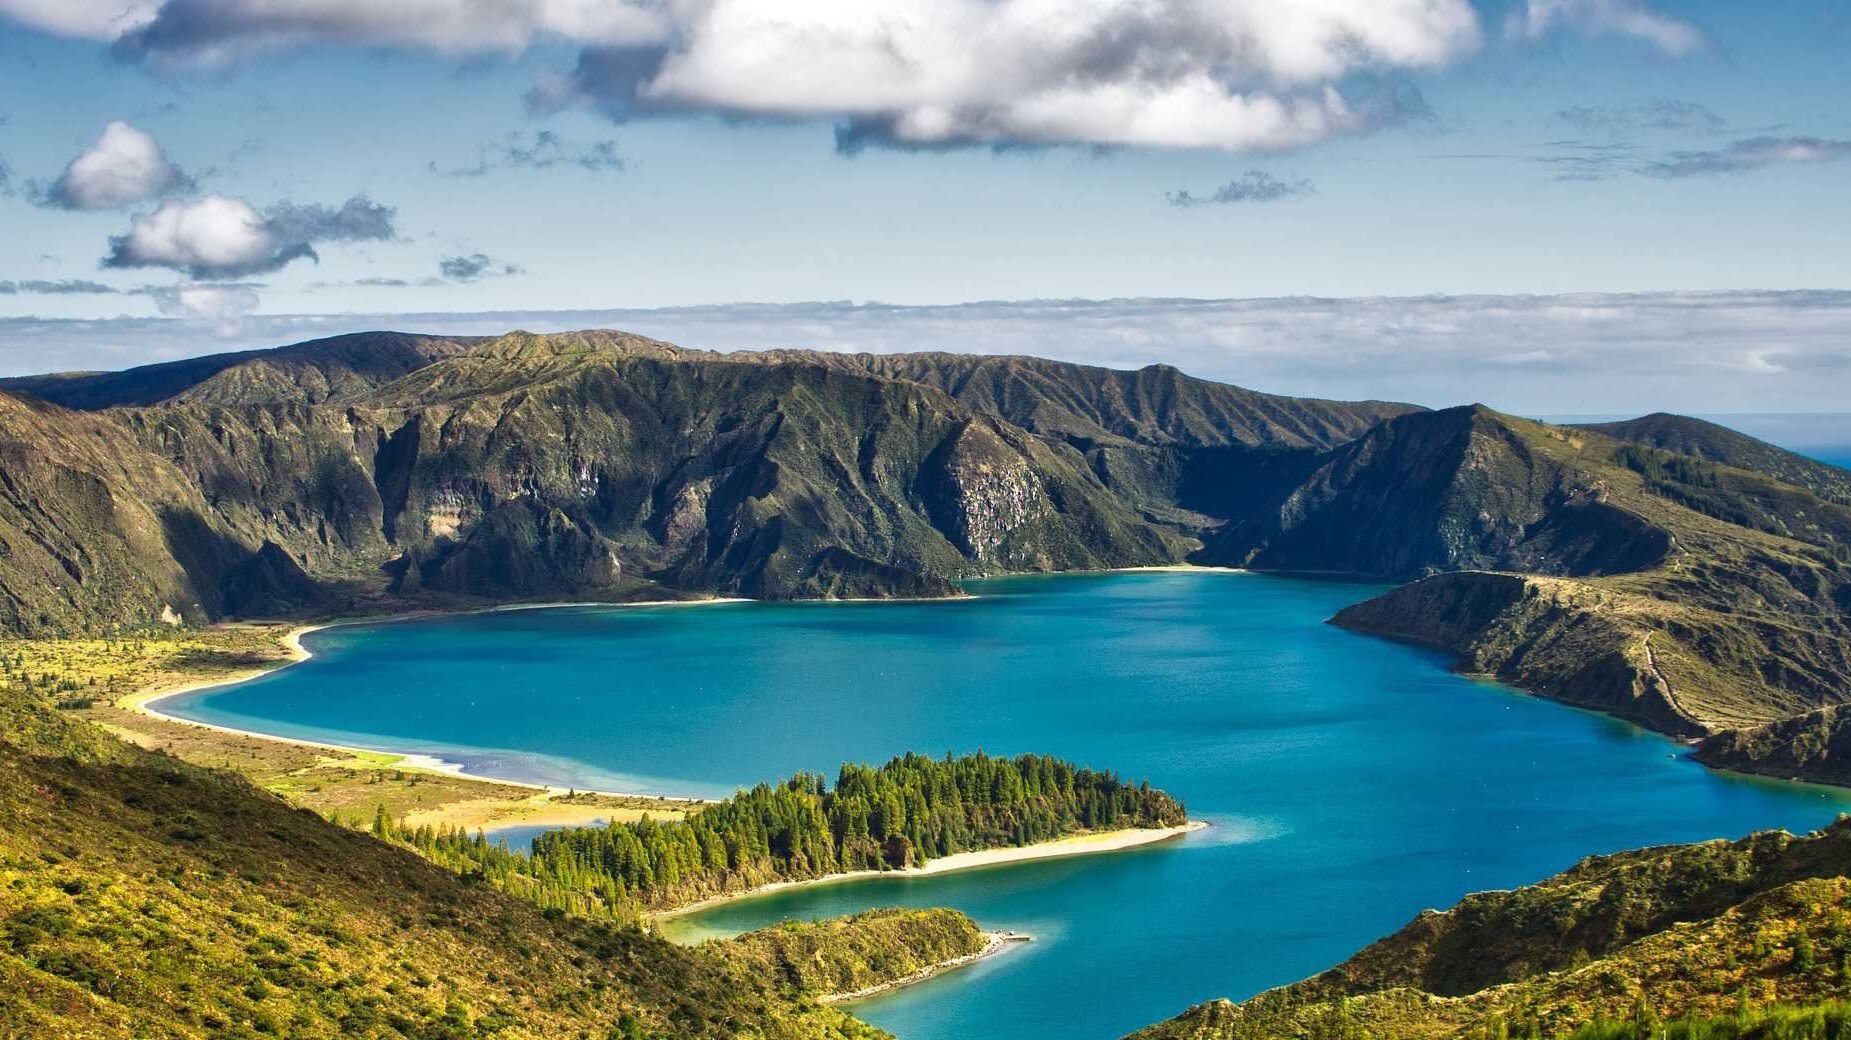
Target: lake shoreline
{"points": [[1084, 844], [545, 805], [143, 701], [453, 795]]}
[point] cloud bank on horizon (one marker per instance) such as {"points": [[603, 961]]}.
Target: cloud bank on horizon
{"points": [[1341, 88], [1584, 353]]}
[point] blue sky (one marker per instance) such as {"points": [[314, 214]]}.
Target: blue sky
{"points": [[1487, 150]]}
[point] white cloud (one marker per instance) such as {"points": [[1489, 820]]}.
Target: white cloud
{"points": [[222, 307], [123, 167], [1610, 18], [216, 236], [87, 19], [214, 233], [1230, 74], [217, 31], [1169, 73]]}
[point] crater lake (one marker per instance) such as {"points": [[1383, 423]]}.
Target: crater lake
{"points": [[1351, 782]]}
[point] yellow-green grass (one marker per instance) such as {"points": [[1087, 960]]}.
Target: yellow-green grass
{"points": [[111, 681]]}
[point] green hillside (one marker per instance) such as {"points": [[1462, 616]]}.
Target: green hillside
{"points": [[142, 897], [1727, 932], [1706, 440], [1685, 595], [856, 953]]}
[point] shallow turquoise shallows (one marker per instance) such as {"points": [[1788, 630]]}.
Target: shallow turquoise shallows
{"points": [[1351, 781]]}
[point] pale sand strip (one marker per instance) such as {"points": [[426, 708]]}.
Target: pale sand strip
{"points": [[1073, 845], [143, 701], [994, 943]]}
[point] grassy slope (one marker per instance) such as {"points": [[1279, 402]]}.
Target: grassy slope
{"points": [[1707, 440], [851, 954], [1699, 929], [140, 895]]}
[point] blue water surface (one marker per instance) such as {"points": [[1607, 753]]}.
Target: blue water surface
{"points": [[1351, 781]]}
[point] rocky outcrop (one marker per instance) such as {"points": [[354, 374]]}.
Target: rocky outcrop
{"points": [[521, 548], [985, 496]]}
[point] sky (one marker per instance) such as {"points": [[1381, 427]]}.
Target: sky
{"points": [[1553, 206]]}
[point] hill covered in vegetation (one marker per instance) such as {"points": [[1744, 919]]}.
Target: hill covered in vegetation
{"points": [[858, 953], [1689, 596], [143, 897], [1706, 440], [1726, 936]]}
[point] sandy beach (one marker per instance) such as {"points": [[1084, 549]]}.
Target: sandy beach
{"points": [[1073, 845]]}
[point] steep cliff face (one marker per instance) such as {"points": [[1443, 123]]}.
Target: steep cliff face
{"points": [[92, 527], [571, 465], [984, 492]]}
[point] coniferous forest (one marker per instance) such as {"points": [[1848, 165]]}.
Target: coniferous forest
{"points": [[903, 814]]}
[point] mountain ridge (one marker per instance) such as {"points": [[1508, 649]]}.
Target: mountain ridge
{"points": [[1690, 593]]}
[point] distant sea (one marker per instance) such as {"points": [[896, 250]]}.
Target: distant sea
{"points": [[1351, 781]]}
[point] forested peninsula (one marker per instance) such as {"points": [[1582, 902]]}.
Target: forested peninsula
{"points": [[901, 815]]}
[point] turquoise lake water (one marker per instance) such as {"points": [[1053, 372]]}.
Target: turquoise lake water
{"points": [[1352, 781]]}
